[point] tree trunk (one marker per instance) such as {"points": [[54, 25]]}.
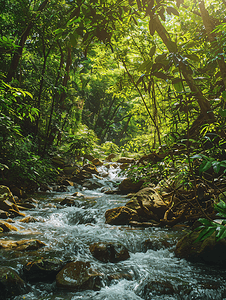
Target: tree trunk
{"points": [[18, 53], [209, 26], [204, 104]]}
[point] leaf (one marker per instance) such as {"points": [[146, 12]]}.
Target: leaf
{"points": [[160, 75], [145, 66], [221, 234], [192, 57], [206, 166], [152, 27], [216, 166], [172, 46], [205, 221], [196, 156], [222, 112], [152, 51], [205, 233], [171, 10], [140, 79]]}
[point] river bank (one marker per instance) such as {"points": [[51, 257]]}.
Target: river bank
{"points": [[150, 271]]}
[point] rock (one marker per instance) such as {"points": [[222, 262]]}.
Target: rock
{"points": [[58, 161], [120, 215], [22, 245], [81, 217], [156, 244], [125, 160], [4, 214], [11, 284], [26, 205], [44, 187], [156, 288], [78, 194], [70, 201], [43, 269], [90, 168], [89, 157], [148, 204], [60, 188], [207, 251], [109, 252], [71, 170], [7, 200], [128, 186], [78, 276], [81, 175], [29, 219], [97, 162], [6, 227], [124, 166], [110, 157], [92, 184], [68, 183], [15, 213]]}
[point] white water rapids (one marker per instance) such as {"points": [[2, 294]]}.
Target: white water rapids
{"points": [[68, 232]]}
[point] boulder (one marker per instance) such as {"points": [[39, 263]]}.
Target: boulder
{"points": [[11, 284], [6, 227], [124, 166], [78, 275], [97, 162], [22, 245], [128, 186], [148, 204], [120, 215], [92, 184], [207, 251], [154, 288], [90, 168], [109, 252], [89, 157], [7, 200], [59, 188], [70, 170], [81, 175], [3, 214], [29, 219], [156, 244], [110, 156], [43, 269], [125, 160]]}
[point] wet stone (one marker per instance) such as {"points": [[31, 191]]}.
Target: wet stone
{"points": [[156, 288], [6, 227], [10, 283], [79, 276], [120, 215], [109, 252], [29, 219], [4, 214], [22, 245], [43, 269]]}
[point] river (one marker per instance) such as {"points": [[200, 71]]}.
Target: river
{"points": [[68, 232]]}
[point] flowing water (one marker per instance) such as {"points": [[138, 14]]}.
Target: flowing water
{"points": [[68, 232]]}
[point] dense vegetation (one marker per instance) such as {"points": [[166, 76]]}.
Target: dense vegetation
{"points": [[132, 77]]}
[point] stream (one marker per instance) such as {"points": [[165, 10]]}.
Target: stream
{"points": [[68, 232]]}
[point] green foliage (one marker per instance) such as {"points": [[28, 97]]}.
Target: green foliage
{"points": [[208, 227], [83, 142], [109, 147]]}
